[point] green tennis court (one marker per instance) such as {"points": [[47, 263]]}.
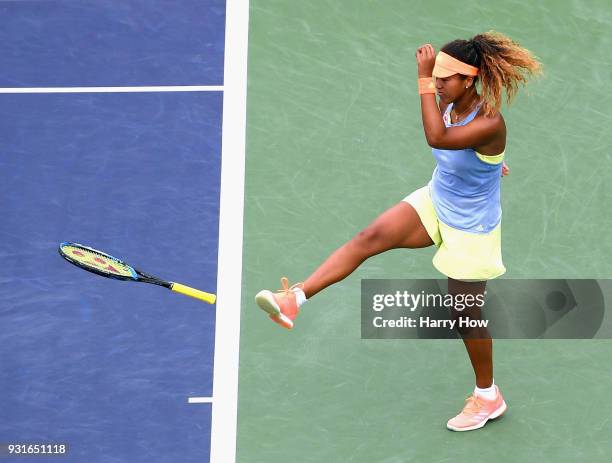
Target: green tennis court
{"points": [[334, 137]]}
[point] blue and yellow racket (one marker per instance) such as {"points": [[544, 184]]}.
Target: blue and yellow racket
{"points": [[101, 263]]}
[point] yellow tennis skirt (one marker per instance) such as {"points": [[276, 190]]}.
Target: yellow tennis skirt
{"points": [[461, 255]]}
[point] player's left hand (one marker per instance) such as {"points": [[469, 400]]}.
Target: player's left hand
{"points": [[426, 59], [505, 169]]}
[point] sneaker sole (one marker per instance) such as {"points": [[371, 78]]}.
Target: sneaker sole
{"points": [[496, 414], [265, 301]]}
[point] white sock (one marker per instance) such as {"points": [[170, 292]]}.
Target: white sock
{"points": [[300, 297], [487, 393]]}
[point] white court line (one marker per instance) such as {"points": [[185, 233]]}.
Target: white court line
{"points": [[200, 400], [229, 271], [163, 88]]}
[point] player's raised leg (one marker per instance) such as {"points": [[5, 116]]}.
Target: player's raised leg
{"points": [[398, 227]]}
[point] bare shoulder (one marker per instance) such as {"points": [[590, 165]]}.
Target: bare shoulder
{"points": [[494, 120], [498, 120], [495, 127]]}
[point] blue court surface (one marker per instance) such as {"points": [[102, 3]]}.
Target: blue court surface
{"points": [[108, 366], [51, 43]]}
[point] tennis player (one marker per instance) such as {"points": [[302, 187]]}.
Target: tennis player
{"points": [[459, 210]]}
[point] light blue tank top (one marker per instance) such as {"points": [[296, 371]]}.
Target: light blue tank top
{"points": [[465, 186]]}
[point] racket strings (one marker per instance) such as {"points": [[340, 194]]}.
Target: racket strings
{"points": [[93, 259]]}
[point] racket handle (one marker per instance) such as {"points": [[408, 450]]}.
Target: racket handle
{"points": [[192, 292]]}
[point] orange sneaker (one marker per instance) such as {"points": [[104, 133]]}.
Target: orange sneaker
{"points": [[281, 306], [477, 412]]}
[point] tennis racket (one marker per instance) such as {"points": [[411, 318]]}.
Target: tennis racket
{"points": [[102, 264]]}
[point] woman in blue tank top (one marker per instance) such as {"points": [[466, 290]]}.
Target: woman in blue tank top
{"points": [[458, 211]]}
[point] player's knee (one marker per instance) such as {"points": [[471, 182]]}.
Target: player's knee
{"points": [[367, 240]]}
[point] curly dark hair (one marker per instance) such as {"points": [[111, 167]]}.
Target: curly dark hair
{"points": [[501, 63]]}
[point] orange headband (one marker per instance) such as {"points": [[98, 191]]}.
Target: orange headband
{"points": [[446, 66]]}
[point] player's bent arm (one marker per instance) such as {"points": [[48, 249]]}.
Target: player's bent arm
{"points": [[433, 125], [478, 132]]}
